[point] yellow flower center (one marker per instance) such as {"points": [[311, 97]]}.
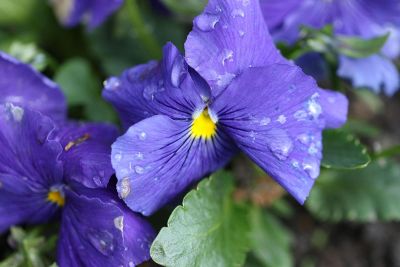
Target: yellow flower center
{"points": [[56, 197], [203, 126]]}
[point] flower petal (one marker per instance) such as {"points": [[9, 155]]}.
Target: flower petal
{"points": [[158, 159], [168, 88], [275, 11], [335, 106], [72, 12], [97, 230], [375, 72], [21, 85], [28, 166], [277, 122], [87, 149], [228, 37]]}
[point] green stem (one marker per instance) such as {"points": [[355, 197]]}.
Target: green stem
{"points": [[142, 30]]}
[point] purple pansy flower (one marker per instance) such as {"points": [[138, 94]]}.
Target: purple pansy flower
{"points": [[232, 92], [360, 18], [95, 12], [50, 166]]}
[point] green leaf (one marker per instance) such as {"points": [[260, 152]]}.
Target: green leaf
{"points": [[359, 195], [186, 7], [83, 88], [343, 151], [29, 53], [77, 81], [271, 242], [358, 47], [15, 11], [210, 229]]}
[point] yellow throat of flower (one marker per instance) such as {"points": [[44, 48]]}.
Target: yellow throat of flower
{"points": [[203, 126], [56, 197]]}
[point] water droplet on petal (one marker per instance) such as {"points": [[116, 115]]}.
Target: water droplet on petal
{"points": [[300, 115], [103, 241], [118, 156], [139, 156], [124, 188], [242, 33], [312, 168], [206, 22], [119, 223], [227, 56], [265, 121], [131, 264], [304, 139], [112, 83], [139, 170], [313, 150], [279, 143], [281, 119], [237, 13], [142, 136]]}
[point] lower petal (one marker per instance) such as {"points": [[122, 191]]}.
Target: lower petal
{"points": [[98, 230], [158, 159]]}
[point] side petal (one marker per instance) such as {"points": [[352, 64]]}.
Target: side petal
{"points": [[335, 107], [277, 122], [97, 230], [21, 85], [29, 166], [166, 88], [158, 159], [228, 37], [87, 150], [375, 72]]}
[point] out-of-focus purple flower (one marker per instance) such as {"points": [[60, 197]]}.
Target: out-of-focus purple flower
{"points": [[94, 12], [233, 91], [361, 18], [48, 167]]}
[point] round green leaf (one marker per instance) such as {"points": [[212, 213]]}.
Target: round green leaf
{"points": [[210, 229]]}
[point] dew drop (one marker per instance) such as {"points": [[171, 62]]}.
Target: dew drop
{"points": [[139, 156], [237, 13], [281, 119], [279, 142], [139, 169], [300, 115], [312, 168], [142, 136], [118, 156], [112, 83], [265, 121], [304, 139], [206, 22], [242, 33], [124, 188], [103, 241], [119, 223], [227, 56]]}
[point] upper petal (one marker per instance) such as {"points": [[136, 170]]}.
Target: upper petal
{"points": [[86, 154], [21, 85], [158, 159], [277, 122], [168, 88], [98, 230], [29, 166], [228, 37]]}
